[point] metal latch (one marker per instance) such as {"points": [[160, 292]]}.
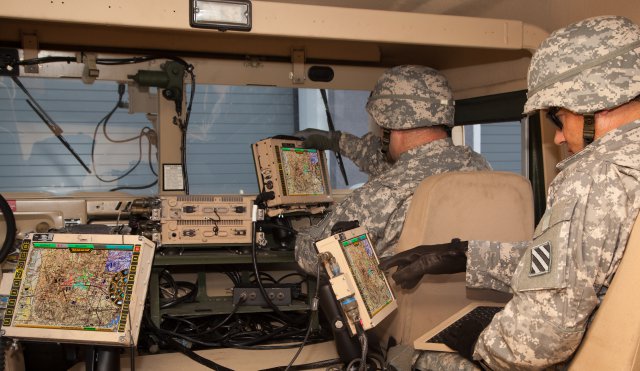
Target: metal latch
{"points": [[30, 51], [297, 76], [90, 71]]}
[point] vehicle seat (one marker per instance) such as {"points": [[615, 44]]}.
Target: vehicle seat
{"points": [[480, 205], [612, 341]]}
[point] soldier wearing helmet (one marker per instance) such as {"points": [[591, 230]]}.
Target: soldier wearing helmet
{"points": [[413, 106], [586, 78]]}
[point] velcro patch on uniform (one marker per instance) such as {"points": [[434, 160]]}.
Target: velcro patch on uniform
{"points": [[540, 259]]}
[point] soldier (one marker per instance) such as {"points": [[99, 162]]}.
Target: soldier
{"points": [[413, 106], [587, 78]]}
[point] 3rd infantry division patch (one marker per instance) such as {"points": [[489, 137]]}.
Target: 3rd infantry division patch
{"points": [[540, 259]]}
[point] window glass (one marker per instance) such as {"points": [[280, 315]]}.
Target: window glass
{"points": [[348, 114], [33, 159], [224, 122], [500, 143]]}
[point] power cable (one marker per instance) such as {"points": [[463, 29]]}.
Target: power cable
{"points": [[143, 133], [312, 315], [10, 223]]}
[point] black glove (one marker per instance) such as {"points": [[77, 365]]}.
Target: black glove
{"points": [[320, 139], [463, 338], [342, 226], [412, 264]]}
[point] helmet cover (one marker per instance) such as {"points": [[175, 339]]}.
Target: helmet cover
{"points": [[410, 96], [586, 67]]}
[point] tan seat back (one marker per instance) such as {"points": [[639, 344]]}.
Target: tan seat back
{"points": [[483, 205], [612, 341]]}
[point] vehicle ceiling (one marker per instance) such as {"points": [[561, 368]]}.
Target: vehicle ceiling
{"points": [[546, 14], [324, 32]]}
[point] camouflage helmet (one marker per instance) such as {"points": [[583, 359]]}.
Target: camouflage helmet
{"points": [[407, 97], [586, 67]]}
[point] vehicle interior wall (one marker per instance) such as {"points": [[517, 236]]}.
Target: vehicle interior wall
{"points": [[547, 14]]}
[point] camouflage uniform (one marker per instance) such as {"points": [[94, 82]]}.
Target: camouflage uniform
{"points": [[559, 279], [381, 204], [591, 208], [405, 97]]}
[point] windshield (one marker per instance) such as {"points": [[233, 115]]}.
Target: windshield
{"points": [[119, 147]]}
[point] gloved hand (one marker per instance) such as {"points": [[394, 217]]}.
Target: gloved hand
{"points": [[320, 139], [342, 226], [463, 338], [412, 264]]}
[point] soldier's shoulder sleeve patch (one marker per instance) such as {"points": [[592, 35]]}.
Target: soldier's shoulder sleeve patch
{"points": [[540, 259]]}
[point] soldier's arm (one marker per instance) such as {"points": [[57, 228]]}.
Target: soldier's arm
{"points": [[391, 230], [490, 265], [364, 152], [545, 321], [305, 252], [376, 206]]}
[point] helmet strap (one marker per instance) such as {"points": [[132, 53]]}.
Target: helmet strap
{"points": [[589, 129], [386, 139]]}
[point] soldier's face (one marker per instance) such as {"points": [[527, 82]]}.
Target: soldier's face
{"points": [[395, 146], [571, 132]]}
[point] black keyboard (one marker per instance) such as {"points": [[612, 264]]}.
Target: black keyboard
{"points": [[484, 314]]}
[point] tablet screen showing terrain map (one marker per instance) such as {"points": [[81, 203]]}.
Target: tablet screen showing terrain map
{"points": [[302, 172], [369, 278], [75, 285]]}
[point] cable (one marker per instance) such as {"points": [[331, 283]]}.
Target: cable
{"points": [[265, 275], [105, 120], [176, 286], [308, 366], [265, 225], [239, 334], [262, 338], [29, 62], [254, 260], [132, 363], [3, 342], [143, 133], [135, 187], [279, 280], [103, 61], [313, 314], [151, 138], [10, 222], [134, 60], [196, 357], [234, 277], [380, 360], [184, 126], [193, 339], [365, 345], [219, 324], [186, 351]]}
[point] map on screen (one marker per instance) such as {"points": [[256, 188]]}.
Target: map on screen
{"points": [[302, 172], [69, 285], [295, 178], [369, 278], [351, 264]]}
